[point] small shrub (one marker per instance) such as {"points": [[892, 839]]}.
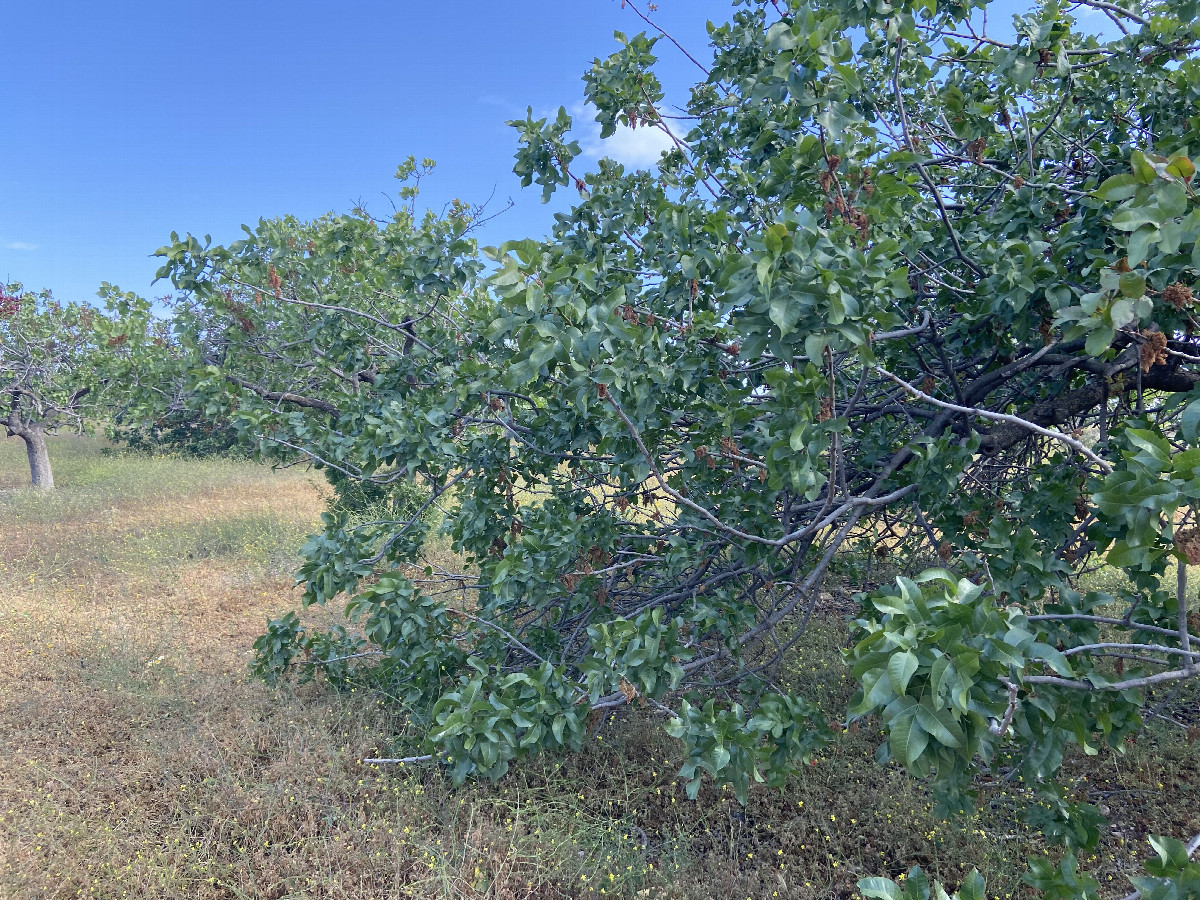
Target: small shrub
{"points": [[399, 500], [182, 433]]}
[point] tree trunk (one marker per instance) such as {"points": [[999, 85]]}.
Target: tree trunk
{"points": [[34, 437]]}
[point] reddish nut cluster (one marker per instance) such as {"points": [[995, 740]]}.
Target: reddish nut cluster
{"points": [[275, 283], [10, 304], [837, 204], [975, 149]]}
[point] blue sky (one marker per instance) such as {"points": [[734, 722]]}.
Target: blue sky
{"points": [[127, 120]]}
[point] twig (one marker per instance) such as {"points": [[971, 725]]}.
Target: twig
{"points": [[665, 34], [402, 328], [1028, 144], [1001, 728], [1127, 684], [1113, 8], [333, 659], [1169, 719], [493, 625], [1185, 637], [903, 332], [929, 183], [1153, 648], [1102, 620]]}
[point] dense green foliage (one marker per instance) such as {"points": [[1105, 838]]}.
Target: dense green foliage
{"points": [[369, 499], [181, 432], [900, 284], [1171, 876]]}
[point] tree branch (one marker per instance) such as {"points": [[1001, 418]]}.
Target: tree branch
{"points": [[1015, 421], [285, 396]]}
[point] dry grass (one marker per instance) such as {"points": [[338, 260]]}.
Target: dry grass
{"points": [[137, 759]]}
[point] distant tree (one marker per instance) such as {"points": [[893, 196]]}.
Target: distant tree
{"points": [[45, 377], [56, 366]]}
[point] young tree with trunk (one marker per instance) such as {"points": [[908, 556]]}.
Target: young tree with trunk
{"points": [[902, 283], [56, 365], [45, 379]]}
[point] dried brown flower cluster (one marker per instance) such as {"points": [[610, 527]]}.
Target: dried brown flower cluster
{"points": [[1188, 542], [1179, 295], [1154, 349]]}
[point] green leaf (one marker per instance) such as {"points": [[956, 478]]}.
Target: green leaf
{"points": [[1099, 340], [916, 887], [815, 344], [837, 309], [1133, 284], [901, 668], [937, 674], [907, 739], [1121, 313], [880, 889], [764, 270], [785, 312], [1171, 852], [774, 238], [1132, 218], [1181, 167], [1139, 244], [1189, 422], [1118, 188], [720, 758], [1143, 171], [1054, 658], [1172, 199], [941, 726], [973, 887], [890, 604]]}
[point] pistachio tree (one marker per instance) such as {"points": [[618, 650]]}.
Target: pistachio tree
{"points": [[912, 280], [54, 371]]}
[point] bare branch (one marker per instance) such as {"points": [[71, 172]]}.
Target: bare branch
{"points": [[1000, 728], [1071, 442], [285, 396]]}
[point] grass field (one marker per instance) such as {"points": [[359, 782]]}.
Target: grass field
{"points": [[138, 759]]}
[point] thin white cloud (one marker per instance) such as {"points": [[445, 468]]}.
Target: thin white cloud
{"points": [[638, 148], [494, 100], [19, 245]]}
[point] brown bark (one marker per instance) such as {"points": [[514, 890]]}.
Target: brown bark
{"points": [[1061, 409], [34, 437], [285, 396], [1048, 414]]}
